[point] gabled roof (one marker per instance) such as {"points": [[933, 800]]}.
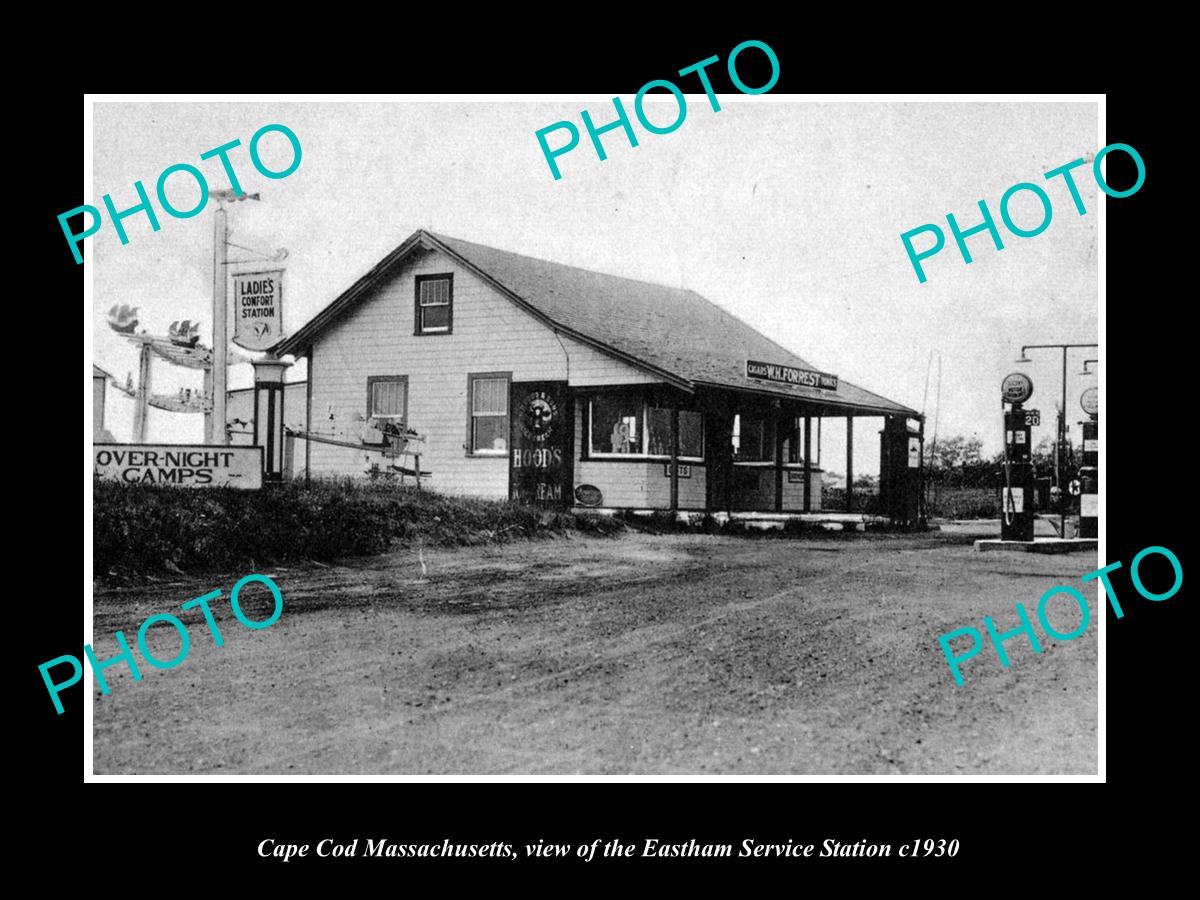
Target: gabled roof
{"points": [[672, 333]]}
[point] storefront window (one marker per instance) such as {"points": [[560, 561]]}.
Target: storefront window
{"points": [[691, 434], [616, 425], [793, 444], [751, 439], [626, 426], [658, 430]]}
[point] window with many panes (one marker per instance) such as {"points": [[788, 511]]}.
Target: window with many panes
{"points": [[626, 426], [434, 304], [387, 397], [487, 408]]}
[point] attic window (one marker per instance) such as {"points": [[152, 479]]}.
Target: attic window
{"points": [[434, 304]]}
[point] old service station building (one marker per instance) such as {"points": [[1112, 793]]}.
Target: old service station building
{"points": [[563, 387]]}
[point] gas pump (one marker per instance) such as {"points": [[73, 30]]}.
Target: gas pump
{"points": [[901, 487], [1089, 473], [1016, 497]]}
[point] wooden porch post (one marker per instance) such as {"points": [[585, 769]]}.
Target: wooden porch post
{"points": [[727, 440], [775, 419], [807, 463], [675, 455], [849, 463]]}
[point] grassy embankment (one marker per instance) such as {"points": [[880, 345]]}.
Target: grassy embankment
{"points": [[141, 530]]}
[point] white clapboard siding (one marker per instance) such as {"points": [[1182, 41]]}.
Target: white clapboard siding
{"points": [[490, 334]]}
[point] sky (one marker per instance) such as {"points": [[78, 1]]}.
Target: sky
{"points": [[787, 213]]}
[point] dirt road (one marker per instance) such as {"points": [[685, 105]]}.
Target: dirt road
{"points": [[672, 654]]}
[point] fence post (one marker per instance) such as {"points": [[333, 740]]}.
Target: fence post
{"points": [[289, 456]]}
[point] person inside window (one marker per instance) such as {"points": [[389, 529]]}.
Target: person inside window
{"points": [[620, 437]]}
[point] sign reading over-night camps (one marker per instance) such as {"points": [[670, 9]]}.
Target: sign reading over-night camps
{"points": [[258, 309], [791, 375], [184, 465], [540, 465]]}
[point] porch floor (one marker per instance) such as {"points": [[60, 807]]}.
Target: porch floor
{"points": [[836, 521]]}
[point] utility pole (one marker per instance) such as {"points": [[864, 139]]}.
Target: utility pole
{"points": [[217, 433], [1063, 494], [141, 406]]}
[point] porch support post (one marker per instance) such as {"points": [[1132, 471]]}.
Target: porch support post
{"points": [[849, 463], [775, 430], [675, 455], [807, 463]]}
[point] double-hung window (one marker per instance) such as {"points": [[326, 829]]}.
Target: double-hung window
{"points": [[487, 414], [387, 397], [434, 304]]}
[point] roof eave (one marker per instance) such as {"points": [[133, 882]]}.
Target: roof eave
{"points": [[894, 409]]}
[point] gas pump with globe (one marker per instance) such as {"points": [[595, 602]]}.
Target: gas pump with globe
{"points": [[1089, 473], [1016, 497]]}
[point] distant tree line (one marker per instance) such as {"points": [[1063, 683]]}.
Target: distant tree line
{"points": [[959, 462]]}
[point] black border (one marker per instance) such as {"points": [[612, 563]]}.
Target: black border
{"points": [[1009, 832]]}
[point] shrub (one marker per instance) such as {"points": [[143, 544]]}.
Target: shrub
{"points": [[139, 529], [963, 503]]}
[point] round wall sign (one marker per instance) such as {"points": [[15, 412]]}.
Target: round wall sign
{"points": [[1090, 401], [538, 412], [1016, 388], [588, 495]]}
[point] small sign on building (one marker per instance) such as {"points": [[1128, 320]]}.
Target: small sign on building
{"points": [[258, 309], [588, 495], [182, 465]]}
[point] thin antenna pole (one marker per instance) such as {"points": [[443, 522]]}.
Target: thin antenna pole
{"points": [[938, 409], [925, 398], [220, 349]]}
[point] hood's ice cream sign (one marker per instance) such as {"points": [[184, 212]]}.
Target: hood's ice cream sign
{"points": [[258, 309], [791, 375]]}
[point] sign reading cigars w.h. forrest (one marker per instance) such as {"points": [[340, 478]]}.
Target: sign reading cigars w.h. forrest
{"points": [[790, 375]]}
